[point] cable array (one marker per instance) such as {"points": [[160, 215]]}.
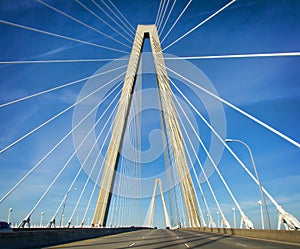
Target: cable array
{"points": [[102, 20], [82, 23], [167, 18], [176, 21], [61, 36], [129, 33], [200, 24]]}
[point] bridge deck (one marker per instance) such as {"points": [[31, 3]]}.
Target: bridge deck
{"points": [[175, 239]]}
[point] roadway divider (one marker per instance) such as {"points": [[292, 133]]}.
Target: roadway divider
{"points": [[37, 238], [275, 235]]}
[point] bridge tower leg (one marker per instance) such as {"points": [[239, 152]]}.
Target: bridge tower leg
{"points": [[170, 119]]}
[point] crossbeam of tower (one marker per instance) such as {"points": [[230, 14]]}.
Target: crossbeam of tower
{"points": [[171, 123]]}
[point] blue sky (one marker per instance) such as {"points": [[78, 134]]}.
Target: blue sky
{"points": [[267, 88]]}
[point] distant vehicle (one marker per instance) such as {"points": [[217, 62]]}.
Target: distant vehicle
{"points": [[5, 227], [168, 228], [155, 227]]}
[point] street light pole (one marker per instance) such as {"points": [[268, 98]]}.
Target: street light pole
{"points": [[62, 219], [64, 205], [41, 221], [261, 214], [256, 173], [9, 213], [208, 219], [234, 218]]}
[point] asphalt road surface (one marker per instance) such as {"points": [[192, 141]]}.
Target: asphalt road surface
{"points": [[175, 239]]}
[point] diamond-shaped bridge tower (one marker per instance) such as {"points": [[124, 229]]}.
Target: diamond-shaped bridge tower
{"points": [[169, 120]]}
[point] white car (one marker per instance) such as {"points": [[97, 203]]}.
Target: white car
{"points": [[5, 227]]}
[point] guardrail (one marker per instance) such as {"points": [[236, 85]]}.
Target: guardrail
{"points": [[36, 238], [275, 235]]}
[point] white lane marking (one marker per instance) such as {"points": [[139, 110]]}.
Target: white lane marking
{"points": [[240, 244], [212, 238], [152, 231], [131, 245], [186, 245]]}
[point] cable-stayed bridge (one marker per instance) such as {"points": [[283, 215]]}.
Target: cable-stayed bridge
{"points": [[90, 151]]}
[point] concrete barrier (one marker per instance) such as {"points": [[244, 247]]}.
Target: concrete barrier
{"points": [[275, 235], [36, 238]]}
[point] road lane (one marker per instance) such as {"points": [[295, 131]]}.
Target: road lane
{"points": [[209, 240], [177, 239]]}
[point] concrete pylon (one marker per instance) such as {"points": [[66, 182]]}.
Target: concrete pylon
{"points": [[150, 215], [171, 123]]}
